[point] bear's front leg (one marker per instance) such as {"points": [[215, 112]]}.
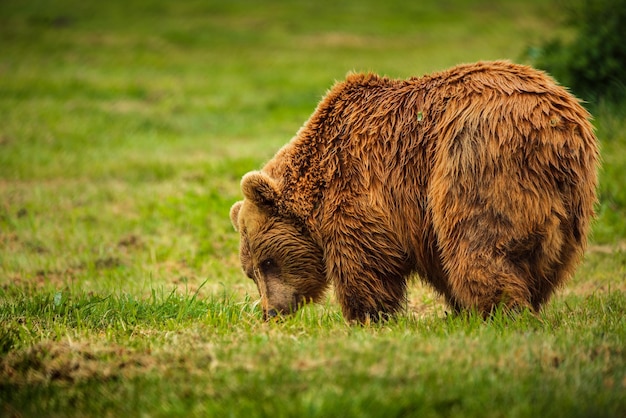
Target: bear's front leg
{"points": [[357, 304], [367, 266]]}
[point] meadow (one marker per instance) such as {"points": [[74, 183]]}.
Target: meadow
{"points": [[125, 129]]}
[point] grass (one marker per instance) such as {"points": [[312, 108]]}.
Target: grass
{"points": [[126, 128], [215, 356]]}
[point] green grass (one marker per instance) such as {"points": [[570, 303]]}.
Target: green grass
{"points": [[126, 127], [176, 353]]}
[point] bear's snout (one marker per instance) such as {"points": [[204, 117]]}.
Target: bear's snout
{"points": [[271, 313]]}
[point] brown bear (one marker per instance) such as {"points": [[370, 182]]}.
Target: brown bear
{"points": [[480, 179]]}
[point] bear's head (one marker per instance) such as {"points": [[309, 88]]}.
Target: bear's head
{"points": [[276, 251]]}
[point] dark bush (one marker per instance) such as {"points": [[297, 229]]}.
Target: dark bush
{"points": [[593, 64]]}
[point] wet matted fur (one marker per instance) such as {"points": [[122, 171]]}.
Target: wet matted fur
{"points": [[481, 179]]}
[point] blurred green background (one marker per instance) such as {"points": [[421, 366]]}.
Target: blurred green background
{"points": [[126, 125]]}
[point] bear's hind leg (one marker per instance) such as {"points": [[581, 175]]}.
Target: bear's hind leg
{"points": [[481, 280]]}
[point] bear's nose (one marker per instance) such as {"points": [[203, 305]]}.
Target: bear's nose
{"points": [[272, 313]]}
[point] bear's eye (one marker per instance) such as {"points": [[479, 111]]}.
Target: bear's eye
{"points": [[268, 265]]}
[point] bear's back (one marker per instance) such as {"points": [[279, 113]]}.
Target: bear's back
{"points": [[382, 137]]}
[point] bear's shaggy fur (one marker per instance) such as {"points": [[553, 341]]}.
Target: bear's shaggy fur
{"points": [[480, 179]]}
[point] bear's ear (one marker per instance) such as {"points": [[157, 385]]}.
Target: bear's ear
{"points": [[260, 189], [234, 214]]}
